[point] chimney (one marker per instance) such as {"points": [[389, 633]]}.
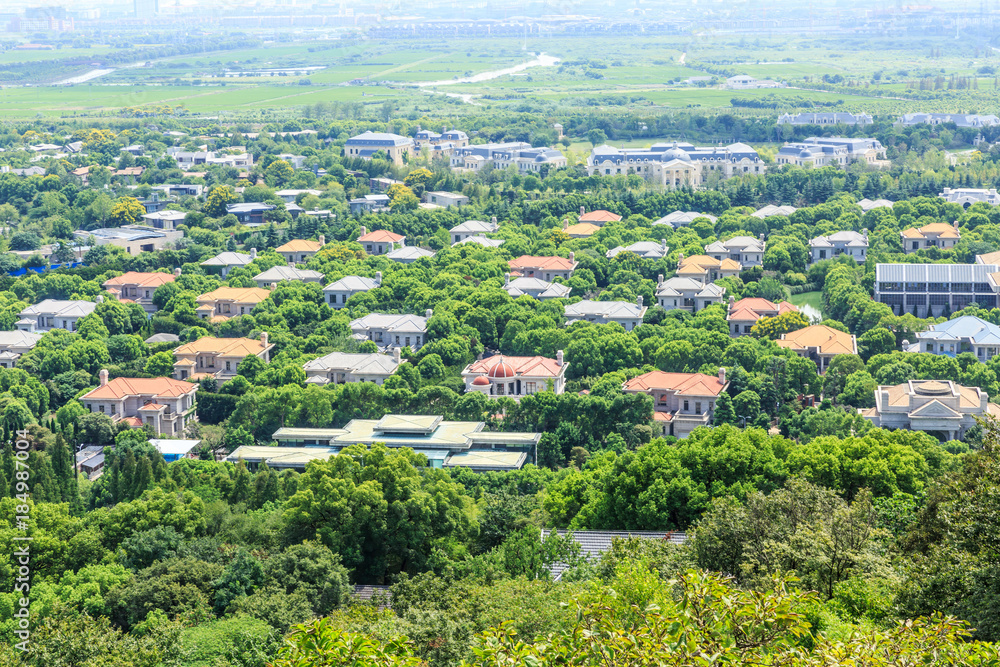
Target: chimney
{"points": [[680, 258], [263, 338], [506, 279], [253, 253], [493, 220], [761, 237], [638, 301], [395, 355], [572, 258], [177, 272], [274, 285], [565, 224], [444, 128], [322, 240], [659, 280], [559, 358], [864, 233], [428, 313], [722, 375], [663, 244], [582, 210], [100, 298], [956, 225], [104, 376], [364, 230], [378, 277]]}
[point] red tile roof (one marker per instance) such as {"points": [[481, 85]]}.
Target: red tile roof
{"points": [[530, 366], [754, 308], [141, 279], [381, 236], [121, 387], [685, 384]]}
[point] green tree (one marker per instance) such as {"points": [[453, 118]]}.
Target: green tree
{"points": [[126, 211], [160, 364], [218, 201]]}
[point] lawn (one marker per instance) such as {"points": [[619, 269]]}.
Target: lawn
{"points": [[810, 303]]}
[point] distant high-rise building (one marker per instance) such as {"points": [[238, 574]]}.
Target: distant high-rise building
{"points": [[145, 9]]}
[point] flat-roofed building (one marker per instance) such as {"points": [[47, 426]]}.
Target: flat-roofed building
{"points": [[930, 290], [471, 228], [380, 241], [164, 219], [536, 288], [819, 343], [681, 401], [936, 406], [134, 239], [445, 199]]}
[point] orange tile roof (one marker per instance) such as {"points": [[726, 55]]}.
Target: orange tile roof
{"points": [[584, 229], [238, 294], [152, 406], [121, 387], [530, 366], [826, 339], [700, 260], [941, 229], [228, 347], [141, 279], [299, 245], [381, 236], [752, 309], [532, 262], [685, 384], [600, 215]]}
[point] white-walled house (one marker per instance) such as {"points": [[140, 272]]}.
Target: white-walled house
{"points": [[515, 377], [628, 315], [471, 228], [389, 331], [277, 274], [338, 292], [54, 314], [850, 243], [938, 406], [690, 294], [225, 262], [962, 334], [15, 343], [536, 288], [166, 404], [681, 401], [746, 250], [644, 249], [344, 367]]}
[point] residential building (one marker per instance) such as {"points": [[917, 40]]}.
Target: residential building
{"points": [[180, 189], [644, 249], [139, 287], [367, 144], [580, 230], [515, 377], [825, 118], [931, 290], [389, 331], [962, 334], [988, 258], [226, 302], [835, 151], [691, 294], [850, 243], [164, 219], [166, 404], [547, 268], [536, 288], [679, 219], [471, 228], [445, 199], [250, 213], [681, 401], [935, 235], [594, 543], [54, 314], [481, 240], [134, 239], [746, 250], [217, 357], [343, 367], [231, 158], [936, 406], [969, 196], [819, 343], [300, 251], [156, 339], [225, 262], [771, 209], [600, 217], [277, 274], [369, 204], [444, 143], [959, 119], [380, 241], [518, 154], [15, 343], [707, 269], [745, 313], [338, 292], [628, 315], [409, 254], [747, 82], [289, 196], [869, 205], [677, 164]]}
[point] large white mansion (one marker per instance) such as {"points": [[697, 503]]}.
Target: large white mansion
{"points": [[675, 164]]}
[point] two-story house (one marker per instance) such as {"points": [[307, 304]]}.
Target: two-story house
{"points": [[217, 357], [707, 269], [644, 249], [139, 287], [166, 404], [277, 274], [935, 235], [690, 294], [300, 251], [250, 213], [380, 241], [745, 250], [164, 219], [389, 331], [546, 268], [338, 292], [55, 314], [15, 343], [941, 407], [409, 254], [471, 228], [628, 315], [344, 367], [962, 334], [681, 401], [850, 243], [536, 288], [745, 313], [515, 377], [819, 343], [226, 302], [225, 262]]}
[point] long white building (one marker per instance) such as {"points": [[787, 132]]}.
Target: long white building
{"points": [[675, 164]]}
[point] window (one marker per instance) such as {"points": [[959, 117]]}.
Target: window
{"points": [[529, 388], [662, 400], [101, 408], [697, 407], [228, 366], [90, 407], [397, 340], [686, 407]]}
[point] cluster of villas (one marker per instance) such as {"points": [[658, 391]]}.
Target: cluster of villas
{"points": [[454, 146], [833, 151], [675, 164]]}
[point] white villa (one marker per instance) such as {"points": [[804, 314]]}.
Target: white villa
{"points": [[644, 249], [746, 250], [516, 376], [849, 243], [15, 343], [225, 262], [687, 294], [343, 367], [676, 164], [409, 254], [54, 314], [389, 331], [683, 218], [471, 228], [825, 118], [338, 292], [937, 406], [962, 334], [628, 315], [278, 274], [536, 288], [969, 196]]}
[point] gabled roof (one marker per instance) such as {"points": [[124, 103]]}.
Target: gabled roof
{"points": [[851, 239], [352, 284], [381, 236], [141, 279], [18, 338], [401, 323], [224, 347], [474, 227], [409, 252], [544, 263], [479, 239], [685, 384], [524, 366], [228, 259], [281, 272], [373, 364], [826, 340], [238, 294], [157, 387], [968, 327], [604, 309], [60, 308], [753, 309], [600, 215], [936, 409], [582, 229], [542, 288], [940, 229], [741, 243], [299, 245]]}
